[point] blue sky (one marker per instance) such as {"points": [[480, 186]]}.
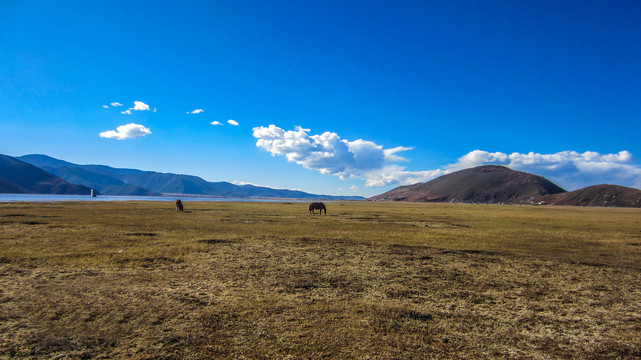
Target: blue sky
{"points": [[331, 97]]}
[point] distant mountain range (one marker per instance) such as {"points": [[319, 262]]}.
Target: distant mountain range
{"points": [[493, 184], [107, 180], [19, 177]]}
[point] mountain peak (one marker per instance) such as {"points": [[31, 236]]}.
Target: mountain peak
{"points": [[482, 184], [115, 181], [17, 176]]}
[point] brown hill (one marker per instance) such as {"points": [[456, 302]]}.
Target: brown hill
{"points": [[598, 195], [489, 184]]}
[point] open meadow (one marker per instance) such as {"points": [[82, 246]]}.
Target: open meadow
{"points": [[248, 280]]}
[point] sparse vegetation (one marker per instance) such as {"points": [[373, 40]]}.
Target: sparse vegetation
{"points": [[268, 280]]}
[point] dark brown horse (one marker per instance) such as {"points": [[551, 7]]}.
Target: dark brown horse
{"points": [[317, 205], [179, 206]]}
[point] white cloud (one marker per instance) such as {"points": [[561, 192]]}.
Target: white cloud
{"points": [[140, 106], [569, 169], [197, 111], [395, 174], [232, 122], [241, 183], [366, 160], [215, 123], [128, 131], [329, 154], [354, 188]]}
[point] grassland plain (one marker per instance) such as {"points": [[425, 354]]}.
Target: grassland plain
{"points": [[268, 280]]}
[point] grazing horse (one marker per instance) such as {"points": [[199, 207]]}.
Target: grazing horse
{"points": [[317, 205], [179, 206]]}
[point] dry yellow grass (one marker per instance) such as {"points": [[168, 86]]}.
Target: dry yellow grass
{"points": [[369, 280]]}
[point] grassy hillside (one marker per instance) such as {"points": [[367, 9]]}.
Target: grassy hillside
{"points": [[268, 280]]}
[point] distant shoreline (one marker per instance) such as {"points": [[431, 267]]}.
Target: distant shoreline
{"points": [[168, 197]]}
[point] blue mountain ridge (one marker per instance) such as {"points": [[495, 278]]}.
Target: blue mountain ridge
{"points": [[17, 176], [117, 181]]}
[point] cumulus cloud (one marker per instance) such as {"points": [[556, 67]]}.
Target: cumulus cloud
{"points": [[230, 122], [128, 131], [329, 154], [569, 169], [560, 160], [140, 106], [197, 111], [397, 175]]}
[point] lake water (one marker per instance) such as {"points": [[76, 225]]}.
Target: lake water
{"points": [[52, 198]]}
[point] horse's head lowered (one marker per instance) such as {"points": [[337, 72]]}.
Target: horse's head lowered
{"points": [[317, 206]]}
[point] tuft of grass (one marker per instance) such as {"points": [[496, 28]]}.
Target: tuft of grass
{"points": [[268, 280]]}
